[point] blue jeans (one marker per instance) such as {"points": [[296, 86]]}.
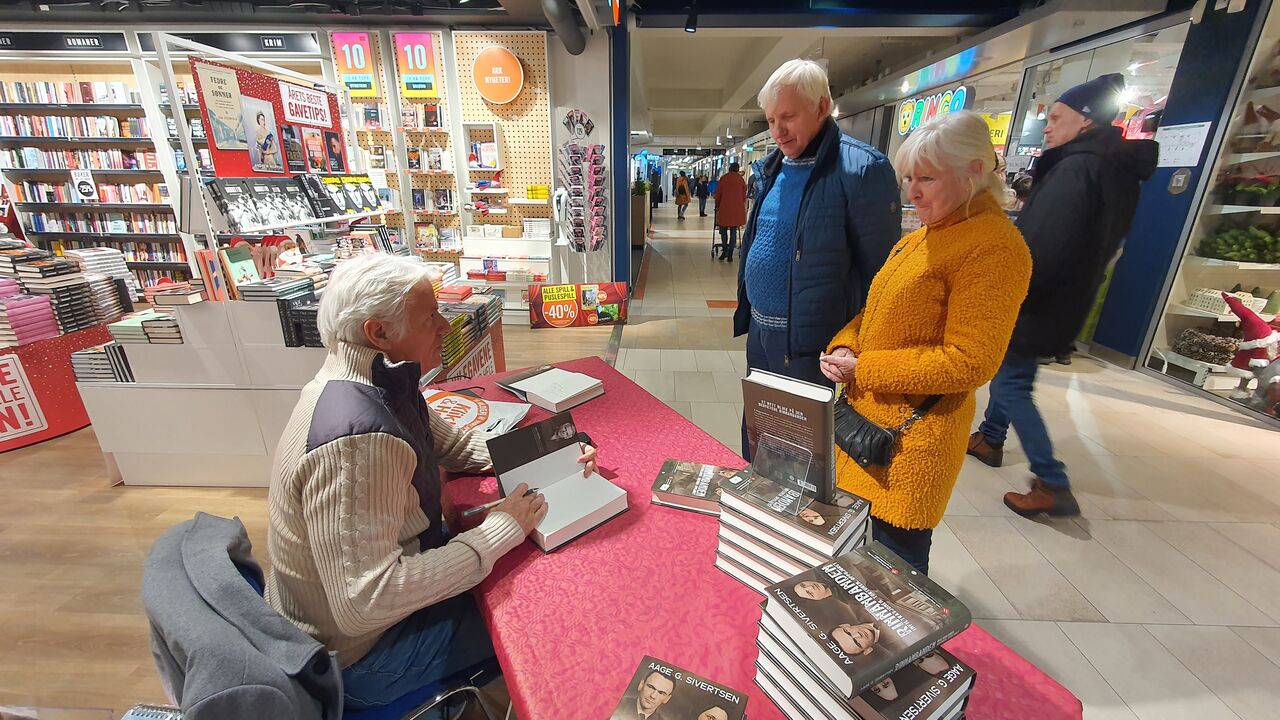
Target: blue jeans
{"points": [[702, 206], [729, 237], [1012, 403], [910, 545], [767, 350], [432, 644]]}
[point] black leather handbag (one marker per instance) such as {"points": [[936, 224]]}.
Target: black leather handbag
{"points": [[869, 444]]}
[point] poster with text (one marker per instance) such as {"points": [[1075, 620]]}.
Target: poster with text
{"points": [[353, 57], [416, 65], [20, 414], [263, 106], [220, 105], [584, 305]]}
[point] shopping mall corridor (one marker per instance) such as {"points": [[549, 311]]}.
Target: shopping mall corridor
{"points": [[1161, 602]]}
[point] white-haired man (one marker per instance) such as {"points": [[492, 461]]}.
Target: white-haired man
{"points": [[824, 220], [361, 557]]}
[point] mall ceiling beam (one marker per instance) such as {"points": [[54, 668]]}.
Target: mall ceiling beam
{"points": [[788, 47], [826, 14]]}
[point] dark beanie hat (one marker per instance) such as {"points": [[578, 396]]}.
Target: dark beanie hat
{"points": [[1098, 99]]}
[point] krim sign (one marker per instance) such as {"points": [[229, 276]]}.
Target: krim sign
{"points": [[918, 111]]}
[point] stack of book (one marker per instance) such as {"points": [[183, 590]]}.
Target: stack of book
{"points": [[694, 486], [454, 293], [106, 298], [537, 229], [465, 333], [273, 289], [26, 319], [318, 277], [106, 261], [9, 287], [303, 317], [172, 296], [162, 329], [101, 363], [857, 639], [769, 531], [13, 258], [149, 294], [128, 329], [447, 274], [484, 306], [61, 280]]}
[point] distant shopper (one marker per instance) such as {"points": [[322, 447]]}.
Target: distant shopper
{"points": [[826, 217], [1083, 197], [703, 191], [731, 209], [937, 322], [655, 189], [683, 194]]}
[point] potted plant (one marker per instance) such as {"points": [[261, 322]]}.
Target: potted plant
{"points": [[1254, 191]]}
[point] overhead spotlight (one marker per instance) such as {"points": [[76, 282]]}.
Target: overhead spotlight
{"points": [[691, 23], [906, 85]]}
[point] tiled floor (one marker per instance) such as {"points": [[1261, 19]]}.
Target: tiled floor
{"points": [[1162, 601]]}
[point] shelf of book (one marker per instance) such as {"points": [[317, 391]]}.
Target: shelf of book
{"points": [[157, 264], [64, 140], [63, 172], [126, 110], [105, 237], [316, 221], [92, 207]]}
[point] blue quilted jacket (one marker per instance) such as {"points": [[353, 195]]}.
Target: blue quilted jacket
{"points": [[850, 217]]}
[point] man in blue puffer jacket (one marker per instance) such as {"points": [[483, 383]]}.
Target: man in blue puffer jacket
{"points": [[826, 216]]}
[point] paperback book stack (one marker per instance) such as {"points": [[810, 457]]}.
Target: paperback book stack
{"points": [[483, 305], [463, 336], [128, 330], [769, 532], [13, 258], [151, 291], [170, 297], [857, 639], [275, 288], [447, 274], [26, 319], [106, 298], [106, 261], [305, 328], [62, 282], [162, 329], [319, 278], [101, 363], [9, 287]]}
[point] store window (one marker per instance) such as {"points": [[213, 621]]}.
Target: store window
{"points": [[1218, 330], [992, 94], [1148, 63]]}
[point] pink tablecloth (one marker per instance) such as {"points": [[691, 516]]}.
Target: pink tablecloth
{"points": [[571, 626]]}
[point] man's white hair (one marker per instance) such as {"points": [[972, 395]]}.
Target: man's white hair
{"points": [[368, 287], [806, 76]]}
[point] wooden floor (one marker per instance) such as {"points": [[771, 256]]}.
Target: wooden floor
{"points": [[72, 630]]}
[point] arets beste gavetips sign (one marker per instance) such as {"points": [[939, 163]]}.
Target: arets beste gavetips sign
{"points": [[917, 111]]}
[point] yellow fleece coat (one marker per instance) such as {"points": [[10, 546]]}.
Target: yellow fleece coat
{"points": [[937, 321]]}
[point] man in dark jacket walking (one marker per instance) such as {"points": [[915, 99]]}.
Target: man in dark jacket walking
{"points": [[1082, 201], [824, 220]]}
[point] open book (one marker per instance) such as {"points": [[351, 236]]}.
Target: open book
{"points": [[545, 456], [552, 388]]}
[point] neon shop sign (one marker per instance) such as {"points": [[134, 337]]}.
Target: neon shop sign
{"points": [[918, 111]]}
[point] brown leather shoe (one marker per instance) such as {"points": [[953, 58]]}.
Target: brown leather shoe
{"points": [[989, 454], [1043, 498]]}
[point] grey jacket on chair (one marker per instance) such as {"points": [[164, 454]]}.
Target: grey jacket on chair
{"points": [[221, 650]]}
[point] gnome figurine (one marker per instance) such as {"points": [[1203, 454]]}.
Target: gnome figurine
{"points": [[1258, 346]]}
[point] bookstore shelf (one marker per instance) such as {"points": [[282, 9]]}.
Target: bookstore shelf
{"points": [[101, 207], [63, 172], [106, 237], [527, 201], [87, 108], [64, 140], [157, 264], [316, 221]]}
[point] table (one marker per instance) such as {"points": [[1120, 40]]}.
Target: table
{"points": [[570, 627], [38, 397]]}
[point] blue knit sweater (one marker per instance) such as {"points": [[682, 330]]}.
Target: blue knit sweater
{"points": [[767, 274]]}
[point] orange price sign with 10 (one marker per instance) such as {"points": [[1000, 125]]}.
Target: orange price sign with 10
{"points": [[416, 63], [354, 60]]}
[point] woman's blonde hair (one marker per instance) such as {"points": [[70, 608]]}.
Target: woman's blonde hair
{"points": [[953, 142]]}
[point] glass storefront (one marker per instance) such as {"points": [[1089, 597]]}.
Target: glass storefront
{"points": [[1234, 249]]}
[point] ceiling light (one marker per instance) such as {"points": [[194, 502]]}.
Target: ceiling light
{"points": [[906, 86], [691, 23], [1133, 68]]}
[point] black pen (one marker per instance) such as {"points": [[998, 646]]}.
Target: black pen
{"points": [[481, 508]]}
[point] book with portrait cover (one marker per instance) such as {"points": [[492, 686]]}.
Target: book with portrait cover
{"points": [[825, 528], [294, 154], [660, 690], [863, 616], [934, 686], [790, 431], [693, 486]]}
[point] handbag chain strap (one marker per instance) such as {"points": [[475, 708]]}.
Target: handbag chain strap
{"points": [[921, 410]]}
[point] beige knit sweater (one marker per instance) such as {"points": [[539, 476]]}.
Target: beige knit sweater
{"points": [[344, 520]]}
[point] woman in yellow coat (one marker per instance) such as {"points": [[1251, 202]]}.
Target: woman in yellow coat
{"points": [[937, 321]]}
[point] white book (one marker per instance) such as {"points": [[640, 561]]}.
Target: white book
{"points": [[554, 389], [544, 456]]}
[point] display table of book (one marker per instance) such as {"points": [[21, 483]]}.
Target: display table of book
{"points": [[571, 626], [38, 398]]}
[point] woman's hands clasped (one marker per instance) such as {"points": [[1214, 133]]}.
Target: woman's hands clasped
{"points": [[840, 366]]}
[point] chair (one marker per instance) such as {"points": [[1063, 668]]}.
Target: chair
{"points": [[423, 700]]}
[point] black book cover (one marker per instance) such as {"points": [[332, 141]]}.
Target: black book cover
{"points": [[821, 526], [292, 337], [294, 155], [863, 616], [296, 203], [790, 430], [313, 188], [660, 690], [337, 192], [524, 445], [694, 486]]}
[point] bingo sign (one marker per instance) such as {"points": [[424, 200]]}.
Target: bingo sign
{"points": [[561, 306], [19, 412], [498, 75], [918, 111], [354, 58], [416, 63]]}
